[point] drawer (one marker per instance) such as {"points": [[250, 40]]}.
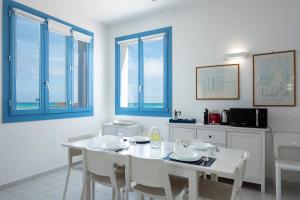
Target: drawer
{"points": [[182, 133], [212, 136], [124, 132], [108, 130]]}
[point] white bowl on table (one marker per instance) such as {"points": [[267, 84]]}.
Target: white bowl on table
{"points": [[202, 146], [187, 155]]}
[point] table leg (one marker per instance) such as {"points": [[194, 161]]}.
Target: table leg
{"points": [[278, 182], [193, 185], [87, 191]]}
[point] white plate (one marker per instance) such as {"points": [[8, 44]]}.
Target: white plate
{"points": [[123, 122], [140, 138], [114, 146], [201, 145], [187, 156]]}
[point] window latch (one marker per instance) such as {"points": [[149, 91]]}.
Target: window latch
{"points": [[10, 103], [9, 58], [46, 83], [140, 88]]}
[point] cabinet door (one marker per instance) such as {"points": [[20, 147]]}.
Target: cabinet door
{"points": [[124, 132], [252, 143], [182, 133], [109, 130]]}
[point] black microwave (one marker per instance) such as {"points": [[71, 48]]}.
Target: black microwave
{"points": [[248, 117]]}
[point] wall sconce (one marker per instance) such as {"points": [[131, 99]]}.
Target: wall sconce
{"points": [[233, 56]]}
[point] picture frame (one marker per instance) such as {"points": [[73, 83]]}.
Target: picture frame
{"points": [[274, 79], [218, 82]]}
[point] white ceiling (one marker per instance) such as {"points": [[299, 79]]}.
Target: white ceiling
{"points": [[110, 11]]}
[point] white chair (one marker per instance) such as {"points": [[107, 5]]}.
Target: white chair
{"points": [[100, 168], [284, 140], [223, 191], [149, 177], [72, 153]]}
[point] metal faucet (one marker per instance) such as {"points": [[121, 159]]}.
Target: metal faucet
{"points": [[177, 114]]}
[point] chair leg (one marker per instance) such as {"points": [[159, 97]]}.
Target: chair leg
{"points": [[118, 195], [93, 190], [113, 194], [66, 183], [278, 182], [83, 191], [241, 194], [126, 194]]}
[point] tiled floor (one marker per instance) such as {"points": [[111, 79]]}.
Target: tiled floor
{"points": [[50, 187]]}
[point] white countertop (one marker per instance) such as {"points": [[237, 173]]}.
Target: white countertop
{"points": [[120, 126], [218, 126]]}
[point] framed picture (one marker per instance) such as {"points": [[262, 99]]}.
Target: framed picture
{"points": [[274, 79], [219, 82]]}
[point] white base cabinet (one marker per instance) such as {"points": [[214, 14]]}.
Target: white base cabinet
{"points": [[251, 142], [127, 131], [247, 139]]}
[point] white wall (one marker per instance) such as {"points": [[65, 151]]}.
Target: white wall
{"points": [[202, 34], [33, 147]]}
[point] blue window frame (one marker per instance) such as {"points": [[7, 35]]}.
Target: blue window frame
{"points": [[143, 73], [47, 66]]}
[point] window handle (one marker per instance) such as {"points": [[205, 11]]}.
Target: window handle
{"points": [[46, 83], [140, 88]]}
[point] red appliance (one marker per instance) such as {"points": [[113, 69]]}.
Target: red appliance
{"points": [[214, 117]]}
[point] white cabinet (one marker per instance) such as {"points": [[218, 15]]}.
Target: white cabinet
{"points": [[127, 131], [182, 133], [247, 139], [251, 142]]}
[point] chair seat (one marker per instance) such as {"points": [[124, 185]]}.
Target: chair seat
{"points": [[288, 165], [178, 185], [214, 190]]}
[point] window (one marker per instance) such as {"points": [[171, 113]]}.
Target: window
{"points": [[143, 73], [27, 49], [47, 73]]}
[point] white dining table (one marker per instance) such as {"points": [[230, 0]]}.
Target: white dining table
{"points": [[227, 160]]}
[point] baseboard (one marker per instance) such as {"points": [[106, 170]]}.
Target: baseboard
{"points": [[23, 180]]}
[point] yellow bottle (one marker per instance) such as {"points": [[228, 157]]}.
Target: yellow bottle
{"points": [[155, 137]]}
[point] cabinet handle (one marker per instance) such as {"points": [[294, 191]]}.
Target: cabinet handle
{"points": [[209, 136]]}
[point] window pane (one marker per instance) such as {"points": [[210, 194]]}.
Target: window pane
{"points": [[80, 74], [153, 73], [57, 70], [27, 64], [129, 78]]}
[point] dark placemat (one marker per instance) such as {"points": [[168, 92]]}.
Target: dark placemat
{"points": [[145, 142], [201, 162], [189, 121]]}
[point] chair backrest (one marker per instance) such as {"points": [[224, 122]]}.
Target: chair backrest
{"points": [[285, 140], [100, 163], [81, 137], [76, 152], [239, 175], [149, 172]]}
